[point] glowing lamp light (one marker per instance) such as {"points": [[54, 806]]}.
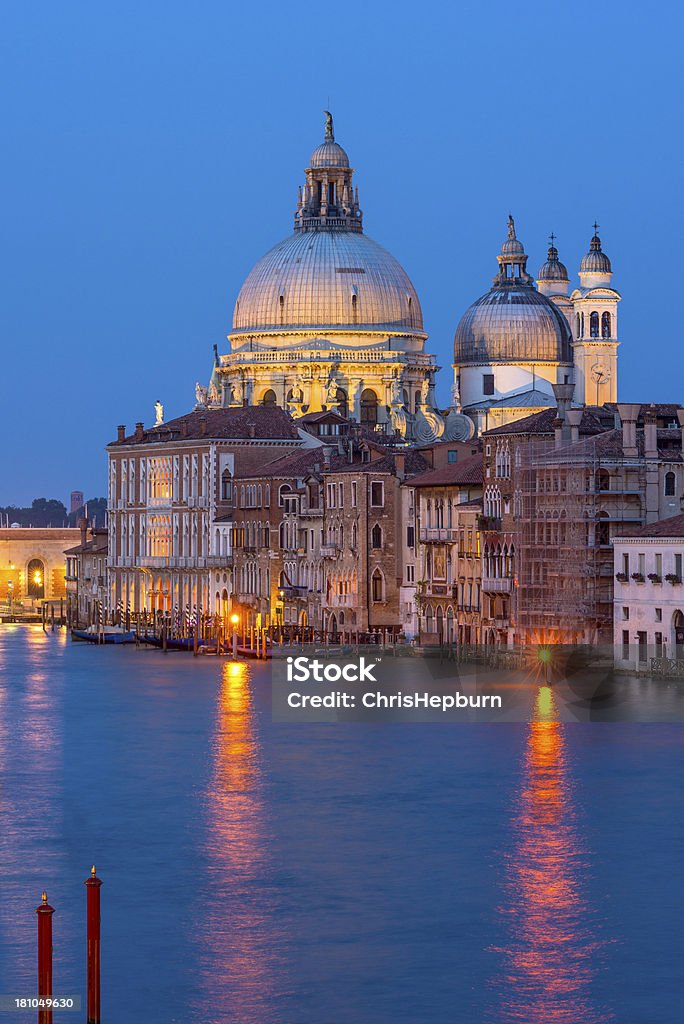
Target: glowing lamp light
{"points": [[545, 656], [235, 619], [37, 578]]}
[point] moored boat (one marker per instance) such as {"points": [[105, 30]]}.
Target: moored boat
{"points": [[106, 635]]}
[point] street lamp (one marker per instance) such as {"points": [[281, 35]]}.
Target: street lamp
{"points": [[235, 620]]}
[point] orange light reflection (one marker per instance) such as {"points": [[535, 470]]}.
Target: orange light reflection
{"points": [[551, 959]]}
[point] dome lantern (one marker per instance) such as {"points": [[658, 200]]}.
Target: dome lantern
{"points": [[512, 259], [328, 199]]}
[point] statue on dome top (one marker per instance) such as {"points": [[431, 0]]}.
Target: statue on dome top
{"points": [[329, 132]]}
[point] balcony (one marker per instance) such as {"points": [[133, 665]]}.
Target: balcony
{"points": [[497, 585], [219, 561], [329, 551], [492, 523], [438, 535]]}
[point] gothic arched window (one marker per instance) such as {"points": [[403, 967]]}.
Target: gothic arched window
{"points": [[226, 481], [376, 536], [594, 325], [377, 586]]}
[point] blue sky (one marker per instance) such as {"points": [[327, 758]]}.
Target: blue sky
{"points": [[152, 153]]}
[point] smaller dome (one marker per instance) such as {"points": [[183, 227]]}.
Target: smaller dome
{"points": [[512, 247], [329, 154], [596, 261], [553, 269]]}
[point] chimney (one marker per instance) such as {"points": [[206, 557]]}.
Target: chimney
{"points": [[184, 428], [327, 454], [83, 527], [650, 434], [203, 426], [563, 394], [400, 464], [574, 418], [121, 432], [251, 431], [628, 417], [139, 431], [558, 432]]}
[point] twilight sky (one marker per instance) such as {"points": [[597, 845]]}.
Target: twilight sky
{"points": [[152, 153]]}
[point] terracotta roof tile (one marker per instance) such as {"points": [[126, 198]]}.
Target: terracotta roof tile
{"points": [[258, 422]]}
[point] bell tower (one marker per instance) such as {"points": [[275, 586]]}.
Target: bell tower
{"points": [[594, 328]]}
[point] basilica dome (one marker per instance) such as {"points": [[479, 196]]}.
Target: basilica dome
{"points": [[328, 276], [513, 322], [323, 281]]}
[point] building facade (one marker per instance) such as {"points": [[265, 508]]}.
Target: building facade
{"points": [[87, 588], [172, 493], [649, 597], [33, 565]]}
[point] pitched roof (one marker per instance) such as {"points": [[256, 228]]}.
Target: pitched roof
{"points": [[671, 527], [542, 423], [467, 471], [252, 422]]}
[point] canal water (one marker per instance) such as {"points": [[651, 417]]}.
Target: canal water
{"points": [[357, 873]]}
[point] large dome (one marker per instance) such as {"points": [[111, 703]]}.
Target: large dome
{"points": [[510, 324], [326, 280]]}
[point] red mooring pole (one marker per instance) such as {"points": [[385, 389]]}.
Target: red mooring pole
{"points": [[44, 912], [93, 938]]}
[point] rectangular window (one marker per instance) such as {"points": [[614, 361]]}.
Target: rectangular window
{"points": [[642, 564], [410, 574], [659, 565], [625, 645], [410, 536], [625, 612], [678, 566], [487, 383], [452, 456], [659, 614], [659, 645], [353, 494], [643, 651], [625, 564], [377, 494]]}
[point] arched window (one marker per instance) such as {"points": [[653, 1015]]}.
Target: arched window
{"points": [[602, 480], [35, 577], [283, 492], [369, 407], [342, 399], [593, 325], [377, 586], [226, 484], [355, 308], [579, 326], [669, 484], [269, 397], [605, 325], [376, 536]]}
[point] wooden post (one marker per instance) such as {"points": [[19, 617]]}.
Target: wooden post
{"points": [[44, 912], [93, 943]]}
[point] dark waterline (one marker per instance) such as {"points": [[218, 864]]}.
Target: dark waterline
{"points": [[352, 874]]}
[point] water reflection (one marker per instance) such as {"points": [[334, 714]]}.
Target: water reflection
{"points": [[238, 936], [551, 959]]}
